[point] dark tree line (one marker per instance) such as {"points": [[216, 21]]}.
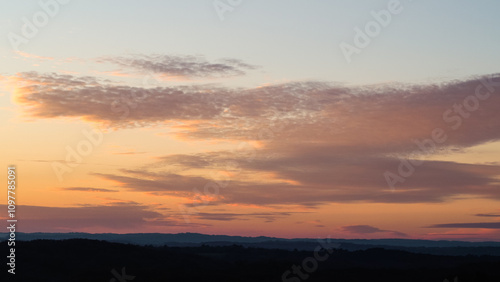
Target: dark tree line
{"points": [[91, 260]]}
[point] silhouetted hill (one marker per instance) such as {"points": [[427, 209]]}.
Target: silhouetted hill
{"points": [[195, 239], [92, 260]]}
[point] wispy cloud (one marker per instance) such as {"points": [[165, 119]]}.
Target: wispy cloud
{"points": [[129, 153], [486, 225], [386, 120], [88, 189], [33, 56], [488, 214], [367, 229], [121, 216], [268, 216], [354, 181], [321, 143], [189, 67]]}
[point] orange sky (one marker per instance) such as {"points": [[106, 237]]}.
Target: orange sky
{"points": [[308, 165], [255, 122]]}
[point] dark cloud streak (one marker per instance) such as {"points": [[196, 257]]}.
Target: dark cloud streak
{"points": [[192, 67], [486, 225]]}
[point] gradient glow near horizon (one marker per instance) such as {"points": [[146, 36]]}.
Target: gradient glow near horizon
{"points": [[342, 119]]}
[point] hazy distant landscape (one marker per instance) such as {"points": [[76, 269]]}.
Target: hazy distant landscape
{"points": [[197, 257], [441, 247]]}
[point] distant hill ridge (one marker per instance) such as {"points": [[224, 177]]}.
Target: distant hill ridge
{"points": [[197, 239]]}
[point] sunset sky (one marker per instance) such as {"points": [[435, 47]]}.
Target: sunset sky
{"points": [[252, 118]]}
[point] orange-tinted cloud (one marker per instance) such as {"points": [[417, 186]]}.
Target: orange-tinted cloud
{"points": [[33, 56], [268, 216], [118, 217], [88, 189], [367, 229], [321, 179], [319, 142], [484, 225], [387, 120]]}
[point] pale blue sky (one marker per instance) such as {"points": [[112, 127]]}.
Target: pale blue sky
{"points": [[290, 40]]}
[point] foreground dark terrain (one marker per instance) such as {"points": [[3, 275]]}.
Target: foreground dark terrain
{"points": [[94, 260]]}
